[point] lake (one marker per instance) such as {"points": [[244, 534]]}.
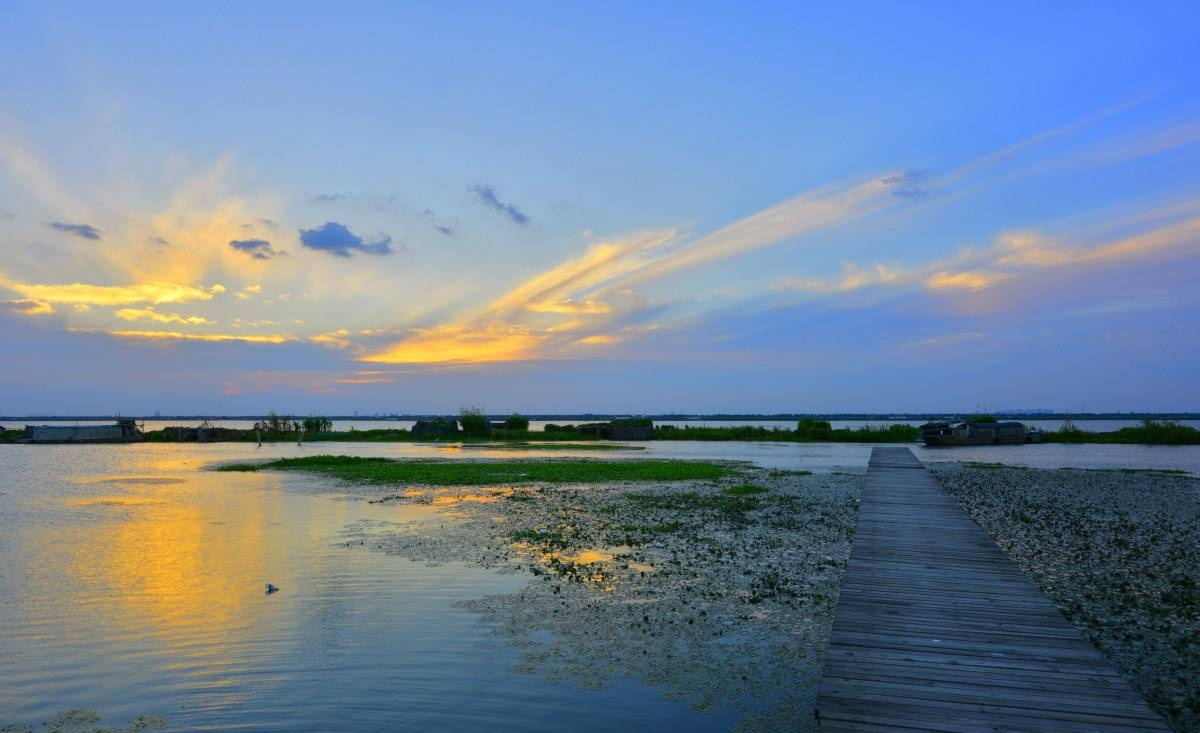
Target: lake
{"points": [[132, 583]]}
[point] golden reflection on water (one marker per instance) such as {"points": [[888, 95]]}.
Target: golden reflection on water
{"points": [[178, 563], [169, 564]]}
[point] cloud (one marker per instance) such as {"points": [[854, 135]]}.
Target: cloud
{"points": [[338, 339], [73, 293], [582, 288], [965, 280], [27, 307], [248, 291], [905, 184], [567, 305], [179, 336], [487, 195], [463, 344], [388, 203], [1017, 256], [853, 278], [149, 314], [448, 229], [87, 231], [339, 241], [259, 249]]}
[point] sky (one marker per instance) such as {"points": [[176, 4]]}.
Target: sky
{"points": [[612, 207]]}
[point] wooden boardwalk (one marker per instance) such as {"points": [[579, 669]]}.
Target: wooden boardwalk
{"points": [[937, 630]]}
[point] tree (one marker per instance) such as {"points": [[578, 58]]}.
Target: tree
{"points": [[516, 422], [474, 423], [318, 425]]}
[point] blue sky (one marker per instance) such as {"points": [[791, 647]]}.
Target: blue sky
{"points": [[629, 208]]}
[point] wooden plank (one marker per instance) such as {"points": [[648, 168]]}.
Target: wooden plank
{"points": [[937, 630]]}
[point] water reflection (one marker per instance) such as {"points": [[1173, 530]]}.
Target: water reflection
{"points": [[131, 583]]}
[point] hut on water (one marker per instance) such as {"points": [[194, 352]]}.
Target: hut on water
{"points": [[123, 431]]}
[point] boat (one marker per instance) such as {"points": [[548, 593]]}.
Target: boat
{"points": [[122, 431], [979, 433]]}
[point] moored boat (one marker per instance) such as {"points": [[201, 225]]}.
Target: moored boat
{"points": [[979, 433], [123, 431]]}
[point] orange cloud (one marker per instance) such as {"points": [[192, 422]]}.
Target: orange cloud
{"points": [[179, 336], [83, 294], [585, 307], [338, 339], [495, 342], [965, 280], [149, 314]]}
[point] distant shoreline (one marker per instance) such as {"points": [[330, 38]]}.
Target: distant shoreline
{"points": [[672, 417]]}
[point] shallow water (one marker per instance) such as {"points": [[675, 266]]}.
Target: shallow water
{"points": [[132, 583]]}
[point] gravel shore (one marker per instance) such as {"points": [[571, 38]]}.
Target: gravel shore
{"points": [[721, 593], [1117, 551]]}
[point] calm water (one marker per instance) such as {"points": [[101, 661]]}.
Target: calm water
{"points": [[131, 582]]}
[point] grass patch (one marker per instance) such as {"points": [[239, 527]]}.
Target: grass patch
{"points": [[1150, 432], [464, 473], [744, 490], [553, 446]]}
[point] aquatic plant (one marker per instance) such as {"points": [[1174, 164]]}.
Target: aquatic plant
{"points": [[743, 490], [459, 473]]}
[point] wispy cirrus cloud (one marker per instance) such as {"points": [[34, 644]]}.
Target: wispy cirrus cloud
{"points": [[487, 196], [513, 326], [85, 294], [149, 314], [189, 336], [1016, 255], [583, 289]]}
